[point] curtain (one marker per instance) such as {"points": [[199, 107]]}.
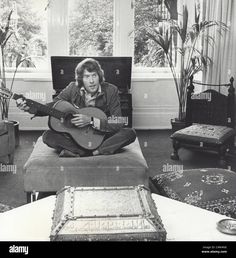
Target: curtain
{"points": [[222, 50]]}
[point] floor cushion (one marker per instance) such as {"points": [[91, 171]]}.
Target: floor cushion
{"points": [[44, 171], [211, 188]]}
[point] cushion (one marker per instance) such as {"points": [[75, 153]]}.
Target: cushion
{"points": [[4, 207], [215, 134], [211, 188], [45, 171]]}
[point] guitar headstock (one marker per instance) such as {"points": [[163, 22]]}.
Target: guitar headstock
{"points": [[5, 93]]}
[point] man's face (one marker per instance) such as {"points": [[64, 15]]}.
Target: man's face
{"points": [[91, 81]]}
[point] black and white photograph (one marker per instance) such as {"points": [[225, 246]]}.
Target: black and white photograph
{"points": [[117, 125]]}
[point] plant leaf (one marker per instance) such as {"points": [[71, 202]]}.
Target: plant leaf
{"points": [[185, 24]]}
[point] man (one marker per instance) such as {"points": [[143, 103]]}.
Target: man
{"points": [[89, 90]]}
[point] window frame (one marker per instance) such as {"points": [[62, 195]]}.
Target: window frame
{"points": [[123, 39]]}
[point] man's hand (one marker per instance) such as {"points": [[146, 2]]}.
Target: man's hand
{"points": [[21, 104], [80, 120]]}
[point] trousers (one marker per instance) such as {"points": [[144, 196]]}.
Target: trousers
{"points": [[112, 143]]}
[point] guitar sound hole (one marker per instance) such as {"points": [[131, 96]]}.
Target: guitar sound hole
{"points": [[67, 120]]}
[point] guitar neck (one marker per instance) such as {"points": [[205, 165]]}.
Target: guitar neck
{"points": [[41, 107]]}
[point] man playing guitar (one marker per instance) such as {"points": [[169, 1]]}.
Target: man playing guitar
{"points": [[88, 90]]}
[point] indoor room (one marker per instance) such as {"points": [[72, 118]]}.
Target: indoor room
{"points": [[123, 110]]}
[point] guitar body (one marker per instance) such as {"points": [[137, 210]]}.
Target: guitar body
{"points": [[86, 137]]}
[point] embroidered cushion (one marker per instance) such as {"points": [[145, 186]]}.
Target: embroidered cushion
{"points": [[204, 133], [211, 188]]}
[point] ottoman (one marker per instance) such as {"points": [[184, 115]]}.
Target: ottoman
{"points": [[44, 171], [212, 189]]}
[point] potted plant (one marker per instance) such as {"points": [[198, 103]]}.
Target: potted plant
{"points": [[6, 32], [192, 59]]}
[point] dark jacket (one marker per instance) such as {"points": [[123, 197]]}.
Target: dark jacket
{"points": [[108, 101]]}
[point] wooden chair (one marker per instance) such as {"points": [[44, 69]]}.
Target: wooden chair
{"points": [[210, 121]]}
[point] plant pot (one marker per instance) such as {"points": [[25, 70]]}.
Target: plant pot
{"points": [[177, 125], [7, 142], [17, 133]]}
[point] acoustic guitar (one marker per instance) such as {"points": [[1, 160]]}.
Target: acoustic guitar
{"points": [[60, 115]]}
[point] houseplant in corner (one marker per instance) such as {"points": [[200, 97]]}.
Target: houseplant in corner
{"points": [[192, 60], [6, 32], [7, 132]]}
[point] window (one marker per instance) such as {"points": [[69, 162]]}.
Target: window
{"points": [[29, 27], [150, 15], [91, 27], [87, 28]]}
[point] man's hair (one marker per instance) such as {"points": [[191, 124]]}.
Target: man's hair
{"points": [[91, 65]]}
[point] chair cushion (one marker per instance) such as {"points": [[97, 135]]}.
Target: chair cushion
{"points": [[211, 188], [45, 171], [204, 133]]}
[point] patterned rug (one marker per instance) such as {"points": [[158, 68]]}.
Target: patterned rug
{"points": [[4, 207]]}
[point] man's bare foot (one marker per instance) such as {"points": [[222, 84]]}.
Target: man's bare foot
{"points": [[68, 154]]}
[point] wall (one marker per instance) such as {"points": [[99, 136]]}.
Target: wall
{"points": [[37, 89], [154, 102]]}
